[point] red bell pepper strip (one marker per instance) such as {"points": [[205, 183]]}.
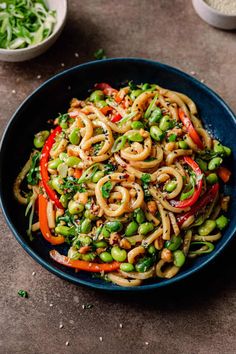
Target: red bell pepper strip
{"points": [[116, 118], [224, 174], [106, 88], [83, 265], [207, 198], [43, 222], [193, 199], [190, 128], [44, 167]]}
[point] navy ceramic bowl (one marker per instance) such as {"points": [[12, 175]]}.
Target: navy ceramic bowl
{"points": [[53, 97]]}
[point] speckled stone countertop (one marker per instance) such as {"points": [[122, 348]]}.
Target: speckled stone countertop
{"points": [[197, 316]]}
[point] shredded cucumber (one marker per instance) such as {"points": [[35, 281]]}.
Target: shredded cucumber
{"points": [[24, 23]]}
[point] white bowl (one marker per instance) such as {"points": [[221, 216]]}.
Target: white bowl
{"points": [[214, 17], [17, 55]]}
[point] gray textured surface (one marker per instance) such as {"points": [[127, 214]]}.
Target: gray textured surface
{"points": [[195, 317]]}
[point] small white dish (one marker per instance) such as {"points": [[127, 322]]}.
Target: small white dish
{"points": [[17, 55], [214, 17]]}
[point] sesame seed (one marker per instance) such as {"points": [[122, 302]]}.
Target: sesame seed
{"points": [[33, 273], [39, 76], [69, 87], [51, 305], [13, 91], [67, 343], [100, 339], [61, 326], [202, 81], [77, 55], [146, 343], [62, 64], [121, 325], [193, 73]]}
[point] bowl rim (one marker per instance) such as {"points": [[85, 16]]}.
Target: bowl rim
{"points": [[213, 10], [73, 278], [45, 41]]}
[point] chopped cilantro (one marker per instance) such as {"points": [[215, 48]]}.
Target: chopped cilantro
{"points": [[172, 137], [33, 174], [23, 293], [70, 184], [106, 189], [109, 168], [100, 54], [146, 178]]}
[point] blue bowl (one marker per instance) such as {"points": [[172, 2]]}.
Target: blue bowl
{"points": [[53, 97]]}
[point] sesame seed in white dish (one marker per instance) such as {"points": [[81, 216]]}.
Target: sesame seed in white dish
{"points": [[227, 7]]}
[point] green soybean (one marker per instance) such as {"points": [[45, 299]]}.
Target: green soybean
{"points": [[218, 148], [84, 240], [86, 226], [170, 186], [145, 228], [72, 161], [64, 200], [127, 267], [139, 215], [106, 257], [179, 258], [135, 137], [174, 243], [222, 222], [105, 232], [100, 244], [215, 163], [172, 138], [152, 249], [183, 145], [74, 136], [227, 150], [40, 138], [90, 215], [63, 156], [96, 95], [97, 176], [212, 178], [135, 94], [118, 254], [165, 123], [56, 184], [63, 230], [88, 257], [53, 164], [155, 116], [137, 125], [156, 133], [131, 228], [114, 226], [207, 227], [75, 207]]}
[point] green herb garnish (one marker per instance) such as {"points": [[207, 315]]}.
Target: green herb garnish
{"points": [[106, 189], [33, 174], [23, 293], [146, 178], [100, 54]]}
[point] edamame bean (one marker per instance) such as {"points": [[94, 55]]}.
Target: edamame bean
{"points": [[100, 244], [207, 227], [105, 232], [97, 176], [227, 150], [88, 257], [106, 257], [53, 164], [152, 249], [139, 215], [135, 137], [63, 156], [84, 240], [90, 215], [222, 222], [135, 94], [56, 184], [73, 253], [86, 226], [218, 148], [96, 95], [165, 123], [127, 267], [75, 207], [172, 138], [174, 243], [74, 136], [40, 138], [64, 200], [212, 178], [170, 186], [131, 228], [137, 125], [156, 133], [73, 161], [145, 228], [63, 230], [215, 163], [118, 254], [183, 145], [113, 226], [179, 258]]}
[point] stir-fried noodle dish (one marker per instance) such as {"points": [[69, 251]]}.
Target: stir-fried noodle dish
{"points": [[130, 181]]}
